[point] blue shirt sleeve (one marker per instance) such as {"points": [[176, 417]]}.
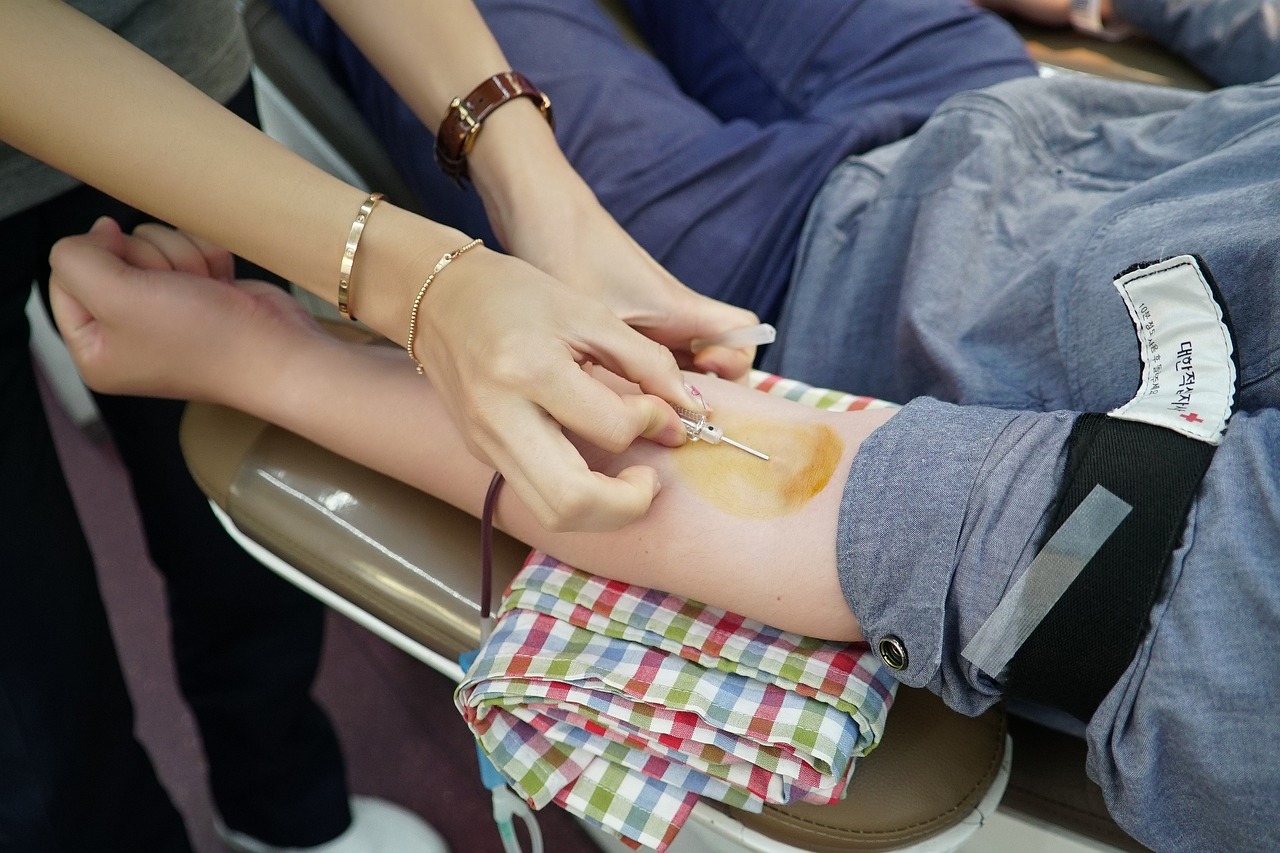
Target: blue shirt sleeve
{"points": [[944, 509]]}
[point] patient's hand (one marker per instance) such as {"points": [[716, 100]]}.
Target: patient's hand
{"points": [[156, 313]]}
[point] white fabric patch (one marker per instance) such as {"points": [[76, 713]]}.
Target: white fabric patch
{"points": [[1188, 376]]}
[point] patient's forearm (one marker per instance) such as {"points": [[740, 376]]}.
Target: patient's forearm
{"points": [[729, 529]]}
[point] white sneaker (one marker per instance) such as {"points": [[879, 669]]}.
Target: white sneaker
{"points": [[377, 826]]}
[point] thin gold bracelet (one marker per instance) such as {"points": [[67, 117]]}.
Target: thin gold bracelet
{"points": [[349, 255], [445, 259]]}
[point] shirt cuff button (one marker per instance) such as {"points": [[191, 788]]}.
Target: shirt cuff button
{"points": [[893, 652]]}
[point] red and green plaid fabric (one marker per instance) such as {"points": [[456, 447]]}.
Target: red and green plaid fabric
{"points": [[625, 704]]}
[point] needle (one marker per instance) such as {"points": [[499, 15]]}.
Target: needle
{"points": [[695, 424], [728, 440]]}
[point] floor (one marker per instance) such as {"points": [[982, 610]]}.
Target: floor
{"points": [[403, 739]]}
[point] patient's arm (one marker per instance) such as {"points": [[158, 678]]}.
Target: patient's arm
{"points": [[727, 528]]}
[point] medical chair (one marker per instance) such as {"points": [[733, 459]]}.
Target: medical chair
{"points": [[406, 566]]}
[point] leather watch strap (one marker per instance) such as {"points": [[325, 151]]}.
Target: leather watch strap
{"points": [[462, 122]]}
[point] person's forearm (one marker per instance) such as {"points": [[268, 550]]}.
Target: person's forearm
{"points": [[431, 53], [729, 529], [85, 101]]}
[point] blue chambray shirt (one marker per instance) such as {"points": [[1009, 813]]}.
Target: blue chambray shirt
{"points": [[967, 272]]}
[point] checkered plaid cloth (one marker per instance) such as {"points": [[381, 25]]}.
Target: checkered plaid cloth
{"points": [[625, 704]]}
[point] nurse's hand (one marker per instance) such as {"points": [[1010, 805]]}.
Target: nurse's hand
{"points": [[508, 346], [604, 261]]}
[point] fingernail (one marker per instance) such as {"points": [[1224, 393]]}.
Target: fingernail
{"points": [[100, 223], [657, 486], [697, 395]]}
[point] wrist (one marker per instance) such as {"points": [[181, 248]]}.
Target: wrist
{"points": [[397, 252], [467, 115], [259, 361], [517, 165]]}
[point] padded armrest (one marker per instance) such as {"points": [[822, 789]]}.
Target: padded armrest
{"points": [[400, 555], [1049, 784]]}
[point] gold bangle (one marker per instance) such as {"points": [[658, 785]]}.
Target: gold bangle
{"points": [[349, 255], [445, 259]]}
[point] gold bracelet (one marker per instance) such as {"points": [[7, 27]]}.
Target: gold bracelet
{"points": [[349, 255], [445, 259]]}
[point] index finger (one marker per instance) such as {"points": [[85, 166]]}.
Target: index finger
{"points": [[650, 365], [159, 247], [552, 479]]}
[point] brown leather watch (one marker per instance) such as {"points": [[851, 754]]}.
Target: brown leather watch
{"points": [[461, 125]]}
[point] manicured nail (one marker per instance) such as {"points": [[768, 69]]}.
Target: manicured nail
{"points": [[697, 395]]}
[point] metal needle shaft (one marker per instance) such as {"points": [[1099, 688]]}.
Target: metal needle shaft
{"points": [[696, 425], [753, 452]]}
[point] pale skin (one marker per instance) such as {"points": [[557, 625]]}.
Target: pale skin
{"points": [[156, 313], [502, 338], [1048, 12]]}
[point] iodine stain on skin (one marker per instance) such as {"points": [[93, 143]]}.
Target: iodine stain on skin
{"points": [[802, 459]]}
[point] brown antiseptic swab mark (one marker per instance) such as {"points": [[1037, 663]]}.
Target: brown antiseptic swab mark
{"points": [[802, 458]]}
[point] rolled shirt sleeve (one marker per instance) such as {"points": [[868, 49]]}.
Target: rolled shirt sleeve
{"points": [[975, 266], [942, 511]]}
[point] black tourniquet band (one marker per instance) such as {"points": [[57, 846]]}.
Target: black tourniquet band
{"points": [[1088, 638], [1085, 643]]}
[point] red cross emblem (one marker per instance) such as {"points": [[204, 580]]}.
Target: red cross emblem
{"points": [[1192, 417]]}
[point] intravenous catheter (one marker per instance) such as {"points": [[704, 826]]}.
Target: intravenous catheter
{"points": [[699, 429]]}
